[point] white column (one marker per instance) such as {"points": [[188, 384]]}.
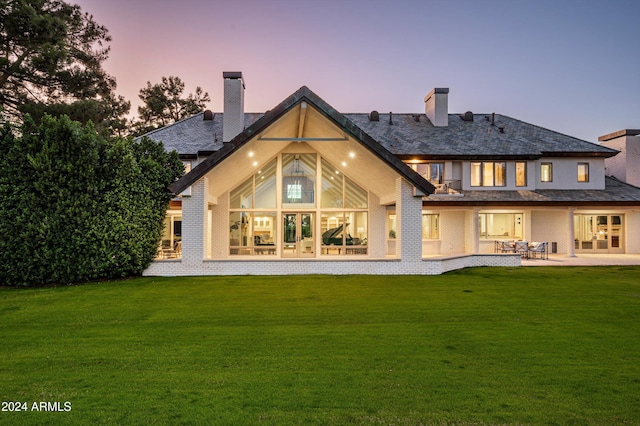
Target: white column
{"points": [[571, 247], [475, 235], [194, 224], [408, 222]]}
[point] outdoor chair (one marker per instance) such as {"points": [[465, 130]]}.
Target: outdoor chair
{"points": [[540, 249], [507, 247], [522, 248]]}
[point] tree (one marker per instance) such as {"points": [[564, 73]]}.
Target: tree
{"points": [[51, 57], [164, 104], [79, 206]]}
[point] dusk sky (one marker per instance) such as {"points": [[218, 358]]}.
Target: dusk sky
{"points": [[568, 65]]}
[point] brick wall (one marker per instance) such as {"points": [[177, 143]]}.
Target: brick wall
{"points": [[333, 267]]}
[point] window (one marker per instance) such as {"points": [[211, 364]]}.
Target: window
{"points": [[298, 180], [546, 172], [521, 173], [583, 172], [430, 226], [498, 226], [488, 173], [344, 232], [433, 172]]}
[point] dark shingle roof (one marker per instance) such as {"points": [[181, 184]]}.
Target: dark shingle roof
{"points": [[413, 134], [410, 135], [194, 134]]}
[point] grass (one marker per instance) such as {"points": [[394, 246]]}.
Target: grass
{"points": [[476, 346]]}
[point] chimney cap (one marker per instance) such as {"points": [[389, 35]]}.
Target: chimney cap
{"points": [[619, 133], [232, 74]]}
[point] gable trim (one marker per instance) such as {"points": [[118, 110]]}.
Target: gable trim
{"points": [[303, 95]]}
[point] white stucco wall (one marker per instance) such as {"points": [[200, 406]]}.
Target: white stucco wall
{"points": [[565, 173]]}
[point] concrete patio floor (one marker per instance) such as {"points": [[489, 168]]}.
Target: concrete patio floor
{"points": [[585, 260]]}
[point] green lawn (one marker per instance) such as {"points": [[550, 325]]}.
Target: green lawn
{"points": [[477, 346]]}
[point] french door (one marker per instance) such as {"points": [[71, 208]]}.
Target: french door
{"points": [[599, 233], [297, 234]]}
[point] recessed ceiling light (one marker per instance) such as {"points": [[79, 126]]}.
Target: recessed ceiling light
{"points": [[352, 154], [250, 153], [344, 164], [255, 163]]}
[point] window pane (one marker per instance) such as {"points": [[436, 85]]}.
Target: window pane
{"points": [[266, 186], [487, 174], [546, 172], [430, 227], [298, 178], [436, 171], [331, 186], [501, 225], [476, 176], [354, 197], [332, 232], [391, 225], [583, 172], [264, 231], [242, 196], [240, 232], [500, 174], [356, 228], [521, 174]]}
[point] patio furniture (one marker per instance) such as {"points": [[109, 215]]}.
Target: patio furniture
{"points": [[539, 249], [507, 247], [522, 248]]}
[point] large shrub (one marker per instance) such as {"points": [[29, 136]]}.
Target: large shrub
{"points": [[77, 206]]}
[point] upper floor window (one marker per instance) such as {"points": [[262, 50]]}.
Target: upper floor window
{"points": [[489, 173], [433, 172], [546, 172], [521, 173], [583, 172]]}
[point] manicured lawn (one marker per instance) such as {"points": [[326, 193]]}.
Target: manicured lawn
{"points": [[477, 346]]}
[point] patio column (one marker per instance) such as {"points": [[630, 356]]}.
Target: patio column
{"points": [[571, 246], [475, 231], [409, 222], [194, 224]]}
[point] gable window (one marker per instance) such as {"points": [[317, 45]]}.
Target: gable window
{"points": [[488, 173], [298, 180], [583, 172], [546, 172], [521, 173], [433, 172]]}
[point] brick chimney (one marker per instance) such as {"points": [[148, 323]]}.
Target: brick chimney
{"points": [[233, 110], [436, 106]]}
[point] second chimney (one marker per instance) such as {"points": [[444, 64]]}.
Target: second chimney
{"points": [[436, 106], [233, 110]]}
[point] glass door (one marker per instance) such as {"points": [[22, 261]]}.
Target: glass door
{"points": [[598, 233], [297, 235]]}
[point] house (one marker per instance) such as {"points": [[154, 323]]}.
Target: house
{"points": [[304, 189]]}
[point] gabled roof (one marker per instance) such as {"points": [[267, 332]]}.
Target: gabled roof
{"points": [[303, 95]]}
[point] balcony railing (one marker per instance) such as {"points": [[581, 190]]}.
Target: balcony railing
{"points": [[449, 187]]}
